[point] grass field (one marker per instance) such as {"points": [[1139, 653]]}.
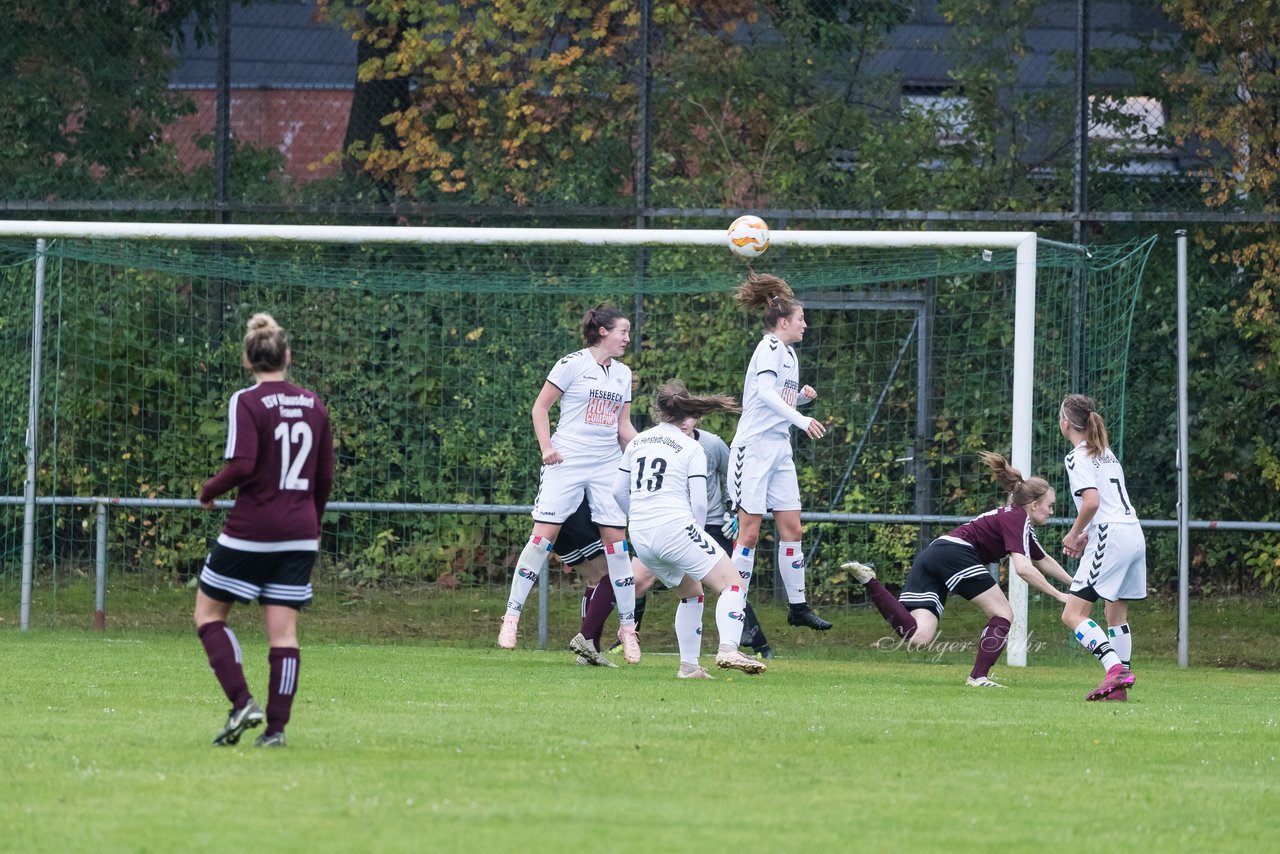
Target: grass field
{"points": [[429, 747]]}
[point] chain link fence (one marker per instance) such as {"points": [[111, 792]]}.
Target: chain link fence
{"points": [[798, 108]]}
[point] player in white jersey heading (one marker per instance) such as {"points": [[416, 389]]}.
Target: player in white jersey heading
{"points": [[661, 482], [594, 392], [1108, 539], [762, 473]]}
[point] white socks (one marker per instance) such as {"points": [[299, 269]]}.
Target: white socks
{"points": [[618, 559], [1121, 642], [744, 560], [729, 617], [1094, 639], [791, 565], [689, 629], [533, 560]]}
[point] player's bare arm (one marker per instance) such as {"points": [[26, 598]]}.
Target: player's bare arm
{"points": [[541, 415], [1050, 567], [1030, 574], [1078, 537]]}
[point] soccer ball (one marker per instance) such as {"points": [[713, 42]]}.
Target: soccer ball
{"points": [[749, 236]]}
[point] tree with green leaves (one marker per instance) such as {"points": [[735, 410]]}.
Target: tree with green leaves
{"points": [[86, 92], [505, 101], [1225, 78]]}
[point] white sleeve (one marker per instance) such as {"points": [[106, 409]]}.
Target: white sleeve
{"points": [[1080, 474], [698, 484], [774, 401], [622, 487], [563, 372]]}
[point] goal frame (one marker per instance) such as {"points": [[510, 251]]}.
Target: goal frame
{"points": [[1023, 242]]}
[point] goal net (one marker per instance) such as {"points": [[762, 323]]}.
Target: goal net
{"points": [[429, 346]]}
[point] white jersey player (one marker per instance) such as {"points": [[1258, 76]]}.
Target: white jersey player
{"points": [[762, 472], [662, 482], [1108, 540], [594, 392]]}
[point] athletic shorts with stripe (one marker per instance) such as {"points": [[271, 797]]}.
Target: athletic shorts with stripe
{"points": [[762, 476], [563, 486], [269, 578], [579, 538], [1114, 564], [671, 555], [945, 566]]}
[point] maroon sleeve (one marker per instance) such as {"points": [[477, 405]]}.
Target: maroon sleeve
{"points": [[1015, 530], [242, 449], [324, 470], [234, 473]]}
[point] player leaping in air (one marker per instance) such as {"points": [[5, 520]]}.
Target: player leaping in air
{"points": [[762, 472], [594, 392], [662, 483]]}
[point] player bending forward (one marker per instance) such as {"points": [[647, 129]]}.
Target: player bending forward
{"points": [[661, 484], [957, 562]]}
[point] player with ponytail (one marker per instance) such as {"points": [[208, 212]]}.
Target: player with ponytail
{"points": [[662, 482], [762, 469], [1108, 540], [957, 563]]}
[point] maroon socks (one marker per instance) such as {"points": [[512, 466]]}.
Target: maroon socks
{"points": [[891, 609], [598, 611], [284, 684], [223, 649], [990, 644]]}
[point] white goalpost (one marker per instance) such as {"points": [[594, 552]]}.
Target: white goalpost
{"points": [[1024, 244]]}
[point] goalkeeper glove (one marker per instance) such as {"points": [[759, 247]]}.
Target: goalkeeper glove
{"points": [[730, 527]]}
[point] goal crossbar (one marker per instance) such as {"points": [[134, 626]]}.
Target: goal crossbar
{"points": [[427, 235]]}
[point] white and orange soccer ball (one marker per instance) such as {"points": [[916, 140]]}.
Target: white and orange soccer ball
{"points": [[749, 236]]}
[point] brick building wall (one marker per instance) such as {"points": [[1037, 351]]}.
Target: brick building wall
{"points": [[304, 125]]}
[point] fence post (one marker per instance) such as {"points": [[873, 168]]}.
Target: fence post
{"points": [[33, 424], [1184, 546], [100, 570]]}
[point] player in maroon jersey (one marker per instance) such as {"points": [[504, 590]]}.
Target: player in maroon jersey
{"points": [[279, 457], [957, 562]]}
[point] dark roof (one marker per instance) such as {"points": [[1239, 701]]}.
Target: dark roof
{"points": [[273, 45], [282, 45]]}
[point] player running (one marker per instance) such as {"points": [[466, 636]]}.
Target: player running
{"points": [[1108, 540], [280, 456], [762, 473], [957, 562]]}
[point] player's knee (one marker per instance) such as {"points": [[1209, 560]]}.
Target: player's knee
{"points": [[920, 636], [1070, 617]]}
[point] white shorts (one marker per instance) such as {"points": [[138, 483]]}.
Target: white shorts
{"points": [[672, 554], [762, 477], [562, 486], [1114, 562]]}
